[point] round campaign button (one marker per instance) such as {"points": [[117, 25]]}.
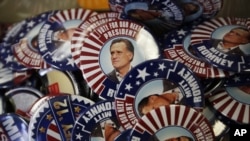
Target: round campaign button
{"points": [[55, 119], [13, 127], [210, 7], [160, 16], [55, 37], [25, 47], [177, 47], [224, 43], [167, 123], [125, 44], [98, 122], [6, 52], [233, 103], [155, 83], [85, 28], [23, 98]]}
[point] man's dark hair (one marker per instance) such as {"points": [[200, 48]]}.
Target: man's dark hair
{"points": [[245, 29], [128, 43], [144, 103]]}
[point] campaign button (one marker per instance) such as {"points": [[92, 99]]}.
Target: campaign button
{"points": [[160, 16], [155, 83], [177, 47], [25, 47], [84, 29], [55, 119], [55, 37], [233, 103], [98, 122], [13, 127], [106, 41], [218, 42], [167, 123]]}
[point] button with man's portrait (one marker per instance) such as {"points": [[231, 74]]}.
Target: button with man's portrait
{"points": [[160, 16], [98, 122], [224, 43], [177, 47], [111, 50], [55, 118], [156, 83], [232, 103], [84, 29], [166, 123], [55, 37], [25, 47]]}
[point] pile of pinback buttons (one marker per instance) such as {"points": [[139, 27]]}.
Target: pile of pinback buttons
{"points": [[55, 82]]}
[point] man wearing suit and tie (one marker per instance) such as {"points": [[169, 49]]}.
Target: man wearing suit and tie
{"points": [[122, 54], [232, 41]]}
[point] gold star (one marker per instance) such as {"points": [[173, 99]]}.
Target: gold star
{"points": [[42, 129], [77, 109], [49, 117]]}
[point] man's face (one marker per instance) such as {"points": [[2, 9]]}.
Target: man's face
{"points": [[178, 139], [120, 55], [236, 36], [66, 34], [154, 102]]}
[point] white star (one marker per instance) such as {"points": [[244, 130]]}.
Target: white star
{"points": [[173, 41], [9, 58], [54, 59], [79, 136], [138, 83], [236, 79], [156, 74], [181, 32], [31, 24], [70, 62], [162, 66], [128, 87], [142, 74]]}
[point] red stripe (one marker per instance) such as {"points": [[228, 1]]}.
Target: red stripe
{"points": [[225, 95], [241, 113], [90, 69], [232, 110], [145, 125], [84, 53], [186, 111], [177, 114], [159, 113], [86, 62], [225, 105]]}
